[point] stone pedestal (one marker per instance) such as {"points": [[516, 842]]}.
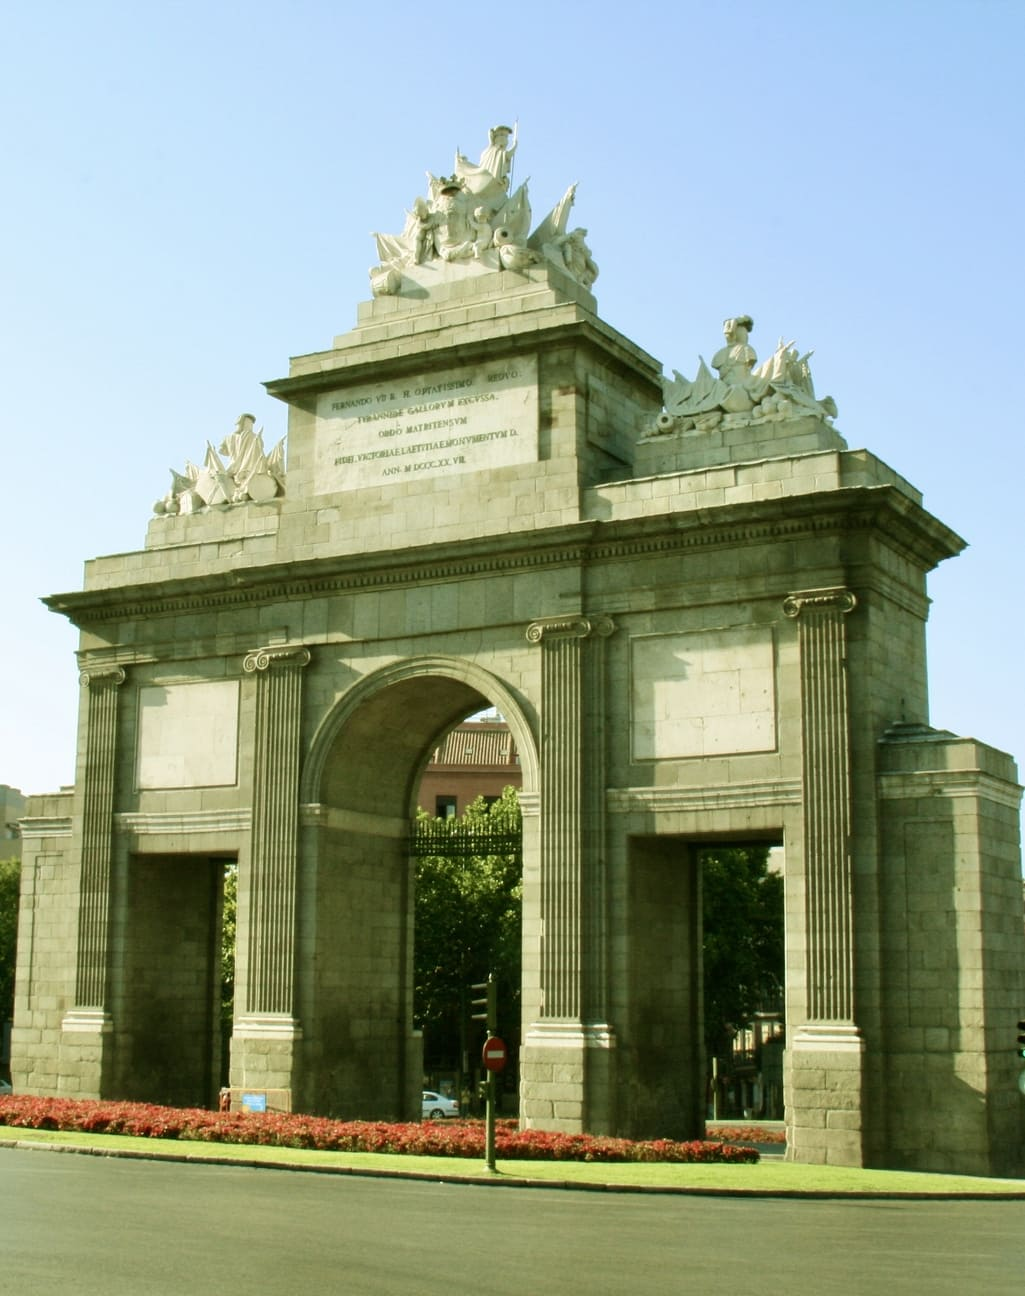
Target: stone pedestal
{"points": [[824, 1085], [84, 1060], [265, 1052]]}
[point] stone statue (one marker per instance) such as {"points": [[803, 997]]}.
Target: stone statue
{"points": [[736, 359], [495, 164], [572, 253], [779, 389], [452, 224], [471, 223], [250, 475]]}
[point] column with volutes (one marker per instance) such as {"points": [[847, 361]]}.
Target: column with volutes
{"points": [[825, 1051], [87, 1028], [267, 1035], [566, 1061]]}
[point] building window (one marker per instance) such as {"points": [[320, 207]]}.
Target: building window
{"points": [[445, 807]]}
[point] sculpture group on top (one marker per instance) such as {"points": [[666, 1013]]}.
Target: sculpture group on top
{"points": [[778, 390], [250, 474], [471, 220]]}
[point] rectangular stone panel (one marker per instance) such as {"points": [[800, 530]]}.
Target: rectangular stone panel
{"points": [[188, 735], [707, 693], [433, 424]]}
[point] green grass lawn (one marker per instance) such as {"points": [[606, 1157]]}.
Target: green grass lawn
{"points": [[771, 1177]]}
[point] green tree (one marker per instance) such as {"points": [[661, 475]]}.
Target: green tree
{"points": [[10, 887], [742, 904], [468, 923], [228, 915]]}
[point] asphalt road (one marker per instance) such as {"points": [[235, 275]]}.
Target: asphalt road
{"points": [[80, 1225]]}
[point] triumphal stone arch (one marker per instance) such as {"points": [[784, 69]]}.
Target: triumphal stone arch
{"points": [[703, 617]]}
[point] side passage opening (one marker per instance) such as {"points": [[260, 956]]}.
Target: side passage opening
{"points": [[706, 983], [175, 980]]}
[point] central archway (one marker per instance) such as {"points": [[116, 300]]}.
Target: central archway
{"points": [[358, 792]]}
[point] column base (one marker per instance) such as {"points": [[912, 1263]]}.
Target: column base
{"points": [[85, 1053], [824, 1083], [265, 1054], [567, 1077]]}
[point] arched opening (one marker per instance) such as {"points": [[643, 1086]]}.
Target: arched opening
{"points": [[362, 1053], [467, 843]]}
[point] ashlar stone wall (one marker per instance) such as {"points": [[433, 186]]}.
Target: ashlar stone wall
{"points": [[694, 639]]}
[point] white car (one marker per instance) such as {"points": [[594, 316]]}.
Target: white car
{"points": [[437, 1106]]}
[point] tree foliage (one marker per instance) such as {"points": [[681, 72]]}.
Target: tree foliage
{"points": [[228, 920], [467, 924], [743, 939], [10, 886]]}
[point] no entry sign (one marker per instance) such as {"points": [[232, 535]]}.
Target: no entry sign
{"points": [[494, 1054]]}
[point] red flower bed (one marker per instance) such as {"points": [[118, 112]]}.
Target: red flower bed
{"points": [[432, 1138], [748, 1134]]}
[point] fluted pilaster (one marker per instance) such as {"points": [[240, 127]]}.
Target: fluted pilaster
{"points": [[573, 897], [101, 697], [820, 616], [278, 673]]}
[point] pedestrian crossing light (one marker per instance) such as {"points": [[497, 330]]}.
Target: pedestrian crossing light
{"points": [[485, 1003]]}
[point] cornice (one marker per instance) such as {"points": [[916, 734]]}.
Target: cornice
{"points": [[706, 798], [901, 785], [542, 329], [45, 826], [314, 577], [855, 511], [178, 823]]}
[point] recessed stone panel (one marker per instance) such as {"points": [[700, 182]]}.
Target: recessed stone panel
{"points": [[434, 424], [188, 735], [709, 693]]}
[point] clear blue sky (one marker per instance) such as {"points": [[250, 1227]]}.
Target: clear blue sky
{"points": [[190, 190]]}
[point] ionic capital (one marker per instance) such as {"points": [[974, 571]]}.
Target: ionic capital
{"points": [[102, 675], [570, 627], [821, 600], [295, 656]]}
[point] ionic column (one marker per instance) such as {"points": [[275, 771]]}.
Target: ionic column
{"points": [[572, 782], [829, 956], [273, 850], [98, 775]]}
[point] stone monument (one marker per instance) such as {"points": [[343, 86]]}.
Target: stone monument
{"points": [[703, 617]]}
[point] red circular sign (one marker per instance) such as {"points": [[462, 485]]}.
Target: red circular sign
{"points": [[494, 1054]]}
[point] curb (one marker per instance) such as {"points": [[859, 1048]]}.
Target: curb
{"points": [[506, 1181]]}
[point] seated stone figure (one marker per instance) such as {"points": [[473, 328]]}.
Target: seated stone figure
{"points": [[780, 388], [495, 163]]}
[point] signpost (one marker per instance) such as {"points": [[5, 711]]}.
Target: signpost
{"points": [[493, 1057]]}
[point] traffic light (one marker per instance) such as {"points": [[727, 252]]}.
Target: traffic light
{"points": [[485, 1003], [1021, 1039]]}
